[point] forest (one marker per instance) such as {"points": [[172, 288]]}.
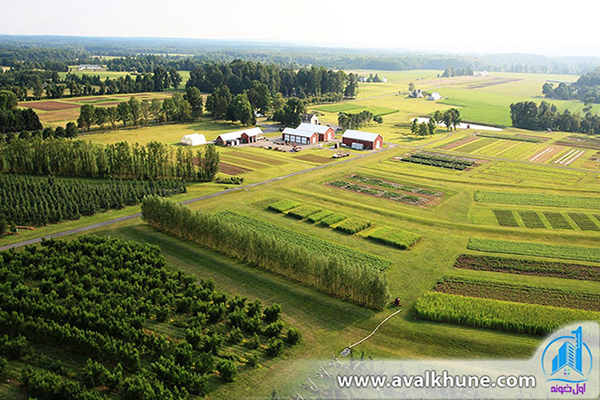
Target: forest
{"points": [[78, 158], [528, 115], [103, 301], [585, 89], [40, 201]]}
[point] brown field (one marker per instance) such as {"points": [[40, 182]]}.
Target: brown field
{"points": [[545, 154], [48, 105], [112, 103], [314, 158], [581, 145], [458, 143], [264, 160], [243, 162], [533, 136], [492, 82], [232, 169], [68, 115]]}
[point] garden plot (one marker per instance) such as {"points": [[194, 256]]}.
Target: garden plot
{"points": [[569, 157], [545, 154], [408, 195], [440, 160], [458, 143]]}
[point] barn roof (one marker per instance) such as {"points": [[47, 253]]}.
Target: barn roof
{"points": [[298, 132], [313, 128], [360, 135], [238, 134]]}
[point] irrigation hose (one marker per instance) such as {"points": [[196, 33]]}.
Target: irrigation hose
{"points": [[348, 349]]}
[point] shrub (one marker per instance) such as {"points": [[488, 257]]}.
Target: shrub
{"points": [[254, 342], [303, 212], [275, 347], [272, 313], [353, 225], [3, 369], [252, 361], [293, 336], [316, 217], [395, 237], [227, 369], [274, 329], [235, 336]]}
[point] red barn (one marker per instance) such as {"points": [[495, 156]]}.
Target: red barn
{"points": [[362, 140], [326, 133]]}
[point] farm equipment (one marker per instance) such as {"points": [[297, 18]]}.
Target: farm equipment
{"points": [[340, 154]]}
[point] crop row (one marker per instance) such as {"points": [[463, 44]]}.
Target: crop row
{"points": [[532, 199], [314, 245], [439, 160], [536, 249], [528, 267], [353, 225], [395, 237], [393, 185], [387, 235], [557, 220], [284, 205], [497, 314], [532, 220], [386, 194], [303, 212], [506, 218], [584, 222], [519, 293], [529, 139]]}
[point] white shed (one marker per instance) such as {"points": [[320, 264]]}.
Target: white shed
{"points": [[434, 96], [194, 139]]}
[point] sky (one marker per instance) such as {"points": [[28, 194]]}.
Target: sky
{"points": [[450, 26]]}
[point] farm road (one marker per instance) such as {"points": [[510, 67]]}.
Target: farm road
{"points": [[208, 196]]}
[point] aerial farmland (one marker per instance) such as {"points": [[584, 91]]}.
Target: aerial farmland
{"points": [[137, 265]]}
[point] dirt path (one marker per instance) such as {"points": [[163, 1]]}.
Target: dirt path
{"points": [[208, 196]]}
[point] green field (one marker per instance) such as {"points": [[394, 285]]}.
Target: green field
{"points": [[420, 240]]}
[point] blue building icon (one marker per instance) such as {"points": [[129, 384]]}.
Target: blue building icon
{"points": [[569, 355]]}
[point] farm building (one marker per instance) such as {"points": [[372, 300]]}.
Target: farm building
{"points": [[310, 119], [362, 140], [89, 67], [325, 132], [299, 136], [434, 96], [234, 138], [194, 139]]}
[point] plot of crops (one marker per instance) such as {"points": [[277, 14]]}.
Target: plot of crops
{"points": [[557, 220], [497, 314], [508, 172], [517, 138], [580, 142], [318, 246], [395, 237], [506, 218], [584, 222], [529, 267], [231, 169], [255, 157], [532, 220], [395, 185], [536, 249], [532, 199], [243, 162], [314, 158], [439, 160], [382, 193], [476, 145], [519, 293]]}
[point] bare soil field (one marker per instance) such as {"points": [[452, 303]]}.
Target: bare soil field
{"points": [[459, 143], [48, 105], [230, 169], [314, 158], [545, 154], [492, 82], [265, 160]]}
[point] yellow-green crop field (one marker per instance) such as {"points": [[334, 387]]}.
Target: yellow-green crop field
{"points": [[515, 218]]}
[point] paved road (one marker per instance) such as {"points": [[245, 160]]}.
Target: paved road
{"points": [[208, 196]]}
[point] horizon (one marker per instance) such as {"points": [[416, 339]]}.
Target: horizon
{"points": [[458, 28]]}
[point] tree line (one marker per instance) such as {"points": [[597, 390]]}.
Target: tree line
{"points": [[357, 120], [13, 119], [239, 75], [181, 108], [362, 285], [36, 202], [80, 158], [459, 71], [38, 84], [94, 298], [585, 89], [528, 115]]}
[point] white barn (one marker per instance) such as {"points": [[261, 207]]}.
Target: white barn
{"points": [[194, 139]]}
